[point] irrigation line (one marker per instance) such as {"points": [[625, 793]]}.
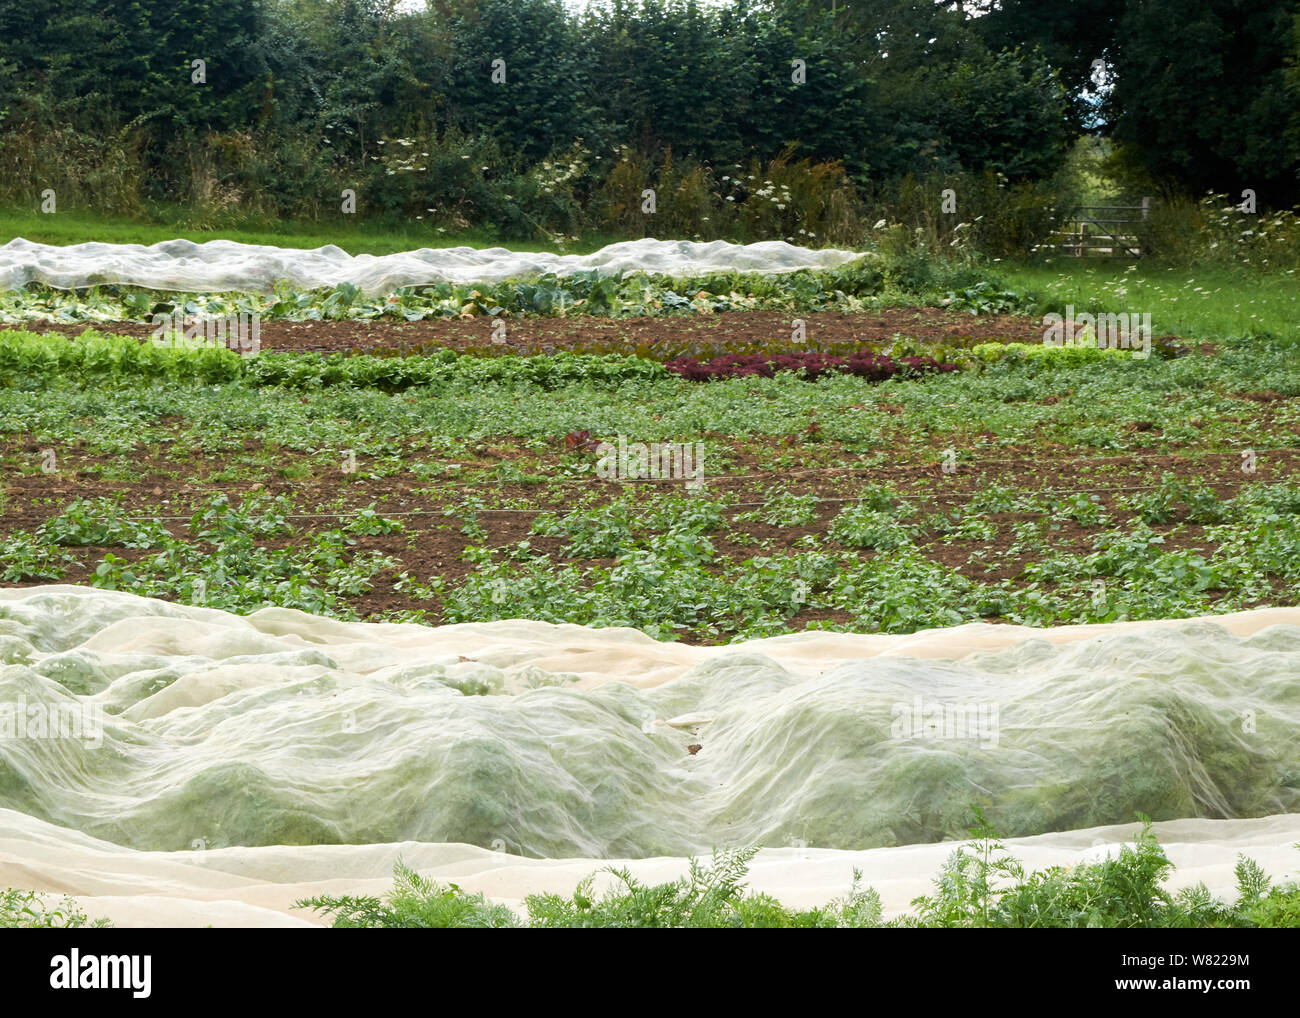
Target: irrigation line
{"points": [[1150, 456], [858, 470], [792, 473], [954, 497]]}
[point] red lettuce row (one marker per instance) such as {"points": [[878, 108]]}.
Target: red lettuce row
{"points": [[865, 364]]}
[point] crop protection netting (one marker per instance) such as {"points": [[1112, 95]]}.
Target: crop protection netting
{"points": [[284, 728], [224, 265]]}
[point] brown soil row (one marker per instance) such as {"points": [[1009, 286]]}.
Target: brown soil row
{"points": [[433, 544], [823, 328]]}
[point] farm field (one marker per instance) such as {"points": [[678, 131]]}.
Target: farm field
{"points": [[532, 464], [946, 469], [471, 465]]}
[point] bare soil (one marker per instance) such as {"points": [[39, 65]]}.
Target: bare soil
{"points": [[734, 327], [433, 544]]}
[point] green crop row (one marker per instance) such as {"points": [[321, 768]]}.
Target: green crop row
{"points": [[29, 360], [865, 282]]}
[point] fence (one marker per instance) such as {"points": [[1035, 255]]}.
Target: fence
{"points": [[1084, 232]]}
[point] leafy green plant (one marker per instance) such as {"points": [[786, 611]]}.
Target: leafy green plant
{"points": [[27, 910], [981, 885], [368, 522], [415, 902], [257, 515], [1051, 356], [986, 887], [985, 298], [102, 521], [862, 526], [784, 508], [28, 557], [709, 896], [603, 532]]}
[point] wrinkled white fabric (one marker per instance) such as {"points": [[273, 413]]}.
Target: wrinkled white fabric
{"points": [[208, 742], [257, 887], [220, 265]]}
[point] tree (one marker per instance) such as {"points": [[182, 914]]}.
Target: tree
{"points": [[545, 99]]}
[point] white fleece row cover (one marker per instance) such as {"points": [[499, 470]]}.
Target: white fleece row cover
{"points": [[220, 265], [179, 765]]}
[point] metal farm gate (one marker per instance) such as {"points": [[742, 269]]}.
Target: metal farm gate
{"points": [[1084, 232]]}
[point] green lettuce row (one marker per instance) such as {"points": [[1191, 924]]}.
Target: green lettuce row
{"points": [[27, 359]]}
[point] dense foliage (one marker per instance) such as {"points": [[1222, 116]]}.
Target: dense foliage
{"points": [[1209, 98], [293, 102]]}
